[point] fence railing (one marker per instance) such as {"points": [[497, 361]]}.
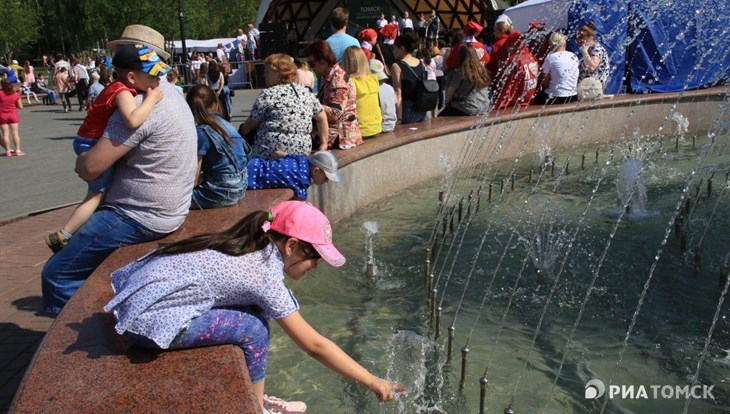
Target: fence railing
{"points": [[247, 74]]}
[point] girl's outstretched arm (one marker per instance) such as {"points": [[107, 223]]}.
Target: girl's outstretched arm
{"points": [[334, 358]]}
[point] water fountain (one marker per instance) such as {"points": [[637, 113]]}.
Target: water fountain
{"points": [[544, 243], [627, 239], [371, 229]]}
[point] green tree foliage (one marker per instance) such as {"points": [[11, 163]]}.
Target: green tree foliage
{"points": [[70, 26], [19, 28]]}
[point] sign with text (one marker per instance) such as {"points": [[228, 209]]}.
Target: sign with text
{"points": [[365, 13]]}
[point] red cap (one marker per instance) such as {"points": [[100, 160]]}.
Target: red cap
{"points": [[367, 35], [472, 28], [305, 222], [390, 31]]}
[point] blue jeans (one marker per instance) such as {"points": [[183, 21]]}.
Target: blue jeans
{"points": [[67, 270], [102, 183], [225, 99]]}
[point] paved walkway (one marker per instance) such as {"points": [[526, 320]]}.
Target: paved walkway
{"points": [[22, 256], [44, 178], [40, 181]]}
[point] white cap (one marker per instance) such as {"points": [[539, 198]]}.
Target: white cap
{"points": [[503, 18], [328, 163], [377, 68]]}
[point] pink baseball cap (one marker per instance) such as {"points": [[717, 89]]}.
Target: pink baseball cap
{"points": [[305, 222]]}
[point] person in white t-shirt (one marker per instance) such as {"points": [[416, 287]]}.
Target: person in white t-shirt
{"points": [[382, 21], [559, 74], [221, 53], [406, 24], [242, 40]]}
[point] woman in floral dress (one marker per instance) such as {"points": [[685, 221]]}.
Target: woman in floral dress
{"points": [[282, 115], [337, 95]]}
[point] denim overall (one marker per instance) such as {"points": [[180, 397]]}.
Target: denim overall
{"points": [[222, 189]]}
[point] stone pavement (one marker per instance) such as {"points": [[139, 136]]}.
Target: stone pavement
{"points": [[40, 181], [44, 178], [23, 252]]}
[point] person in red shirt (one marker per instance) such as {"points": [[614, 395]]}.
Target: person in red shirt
{"points": [[471, 30], [516, 81], [138, 68], [505, 40], [367, 38], [9, 104]]}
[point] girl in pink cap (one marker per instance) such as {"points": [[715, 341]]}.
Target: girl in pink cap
{"points": [[222, 288]]}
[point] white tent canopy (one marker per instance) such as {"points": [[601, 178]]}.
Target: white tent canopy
{"points": [[554, 13], [209, 45]]}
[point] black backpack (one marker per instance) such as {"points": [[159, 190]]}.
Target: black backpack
{"points": [[426, 95]]}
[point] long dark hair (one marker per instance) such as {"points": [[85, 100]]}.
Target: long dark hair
{"points": [[246, 236], [425, 54], [201, 99], [213, 67]]}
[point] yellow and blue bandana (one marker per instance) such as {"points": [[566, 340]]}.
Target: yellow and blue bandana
{"points": [[140, 57]]}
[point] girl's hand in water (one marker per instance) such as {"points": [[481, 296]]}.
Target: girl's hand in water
{"points": [[384, 389]]}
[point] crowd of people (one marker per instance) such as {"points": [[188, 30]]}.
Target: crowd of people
{"points": [[150, 153]]}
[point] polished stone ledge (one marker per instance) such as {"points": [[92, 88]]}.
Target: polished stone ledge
{"points": [[83, 366]]}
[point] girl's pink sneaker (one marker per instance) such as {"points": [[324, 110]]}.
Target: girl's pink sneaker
{"points": [[276, 405]]}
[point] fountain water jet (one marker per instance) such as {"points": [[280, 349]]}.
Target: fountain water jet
{"points": [[371, 230]]}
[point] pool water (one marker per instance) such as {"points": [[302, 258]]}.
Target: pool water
{"points": [[384, 322]]}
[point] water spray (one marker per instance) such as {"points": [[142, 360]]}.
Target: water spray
{"points": [[428, 262], [433, 304], [709, 185], [468, 204], [698, 258]]}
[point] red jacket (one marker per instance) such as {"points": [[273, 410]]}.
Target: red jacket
{"points": [[517, 81]]}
